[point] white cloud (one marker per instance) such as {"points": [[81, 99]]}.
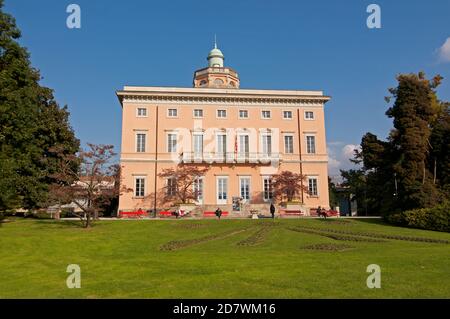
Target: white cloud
{"points": [[349, 150], [339, 158], [444, 51]]}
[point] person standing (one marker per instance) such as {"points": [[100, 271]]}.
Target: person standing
{"points": [[272, 210], [218, 213]]}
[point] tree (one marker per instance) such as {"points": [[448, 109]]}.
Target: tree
{"points": [[181, 186], [334, 197], [288, 186], [410, 169], [88, 179], [31, 122], [414, 110]]}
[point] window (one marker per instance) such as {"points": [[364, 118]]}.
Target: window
{"points": [[267, 183], [289, 144], [171, 143], [243, 114], [222, 190], [265, 114], [222, 113], [221, 144], [139, 187], [287, 115], [140, 142], [244, 146], [198, 144], [244, 186], [172, 113], [198, 113], [312, 186], [198, 189], [310, 144], [142, 112], [171, 186], [267, 144], [309, 115]]}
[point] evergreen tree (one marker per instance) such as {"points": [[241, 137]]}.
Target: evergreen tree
{"points": [[31, 123], [414, 110], [411, 169]]}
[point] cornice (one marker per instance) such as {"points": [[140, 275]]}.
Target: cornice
{"points": [[230, 98]]}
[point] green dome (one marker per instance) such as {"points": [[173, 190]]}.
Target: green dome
{"points": [[215, 57], [216, 53]]}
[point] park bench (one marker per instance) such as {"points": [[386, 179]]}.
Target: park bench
{"points": [[136, 214], [213, 214], [292, 213], [173, 214], [165, 214]]}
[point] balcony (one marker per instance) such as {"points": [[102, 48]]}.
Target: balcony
{"points": [[229, 157]]}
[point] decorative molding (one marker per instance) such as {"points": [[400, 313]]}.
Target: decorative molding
{"points": [[306, 101]]}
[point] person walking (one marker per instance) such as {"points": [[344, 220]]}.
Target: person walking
{"points": [[218, 213], [272, 210]]}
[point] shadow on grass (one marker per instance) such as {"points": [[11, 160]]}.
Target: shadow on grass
{"points": [[50, 223]]}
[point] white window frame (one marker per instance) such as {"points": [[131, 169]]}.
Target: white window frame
{"points": [[137, 145], [288, 118], [143, 186], [313, 116], [167, 187], [198, 116], [196, 152], [172, 116], [284, 141], [140, 109], [169, 150], [263, 135], [264, 112], [220, 145], [222, 201], [241, 151], [200, 198], [243, 117], [316, 178], [242, 178], [221, 117], [270, 190], [307, 145]]}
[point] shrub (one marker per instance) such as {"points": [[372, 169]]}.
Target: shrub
{"points": [[435, 218]]}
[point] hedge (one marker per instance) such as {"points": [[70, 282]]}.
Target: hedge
{"points": [[436, 218]]}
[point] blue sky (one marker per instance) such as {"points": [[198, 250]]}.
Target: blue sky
{"points": [[303, 45]]}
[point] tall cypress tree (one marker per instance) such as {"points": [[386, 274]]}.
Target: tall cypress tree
{"points": [[414, 110], [31, 125], [412, 168]]}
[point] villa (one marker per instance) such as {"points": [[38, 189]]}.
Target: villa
{"points": [[244, 136]]}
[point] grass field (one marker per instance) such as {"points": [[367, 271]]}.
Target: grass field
{"points": [[222, 259]]}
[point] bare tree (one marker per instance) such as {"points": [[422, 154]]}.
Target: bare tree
{"points": [[89, 179], [288, 186], [181, 185]]}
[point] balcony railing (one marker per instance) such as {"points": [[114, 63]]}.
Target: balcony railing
{"points": [[229, 157]]}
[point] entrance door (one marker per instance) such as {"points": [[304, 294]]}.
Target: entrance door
{"points": [[222, 190], [244, 187]]}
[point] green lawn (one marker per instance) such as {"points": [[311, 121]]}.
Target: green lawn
{"points": [[222, 259]]}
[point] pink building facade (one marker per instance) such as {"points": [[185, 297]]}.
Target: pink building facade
{"points": [[243, 136]]}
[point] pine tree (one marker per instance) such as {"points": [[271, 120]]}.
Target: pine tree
{"points": [[31, 123]]}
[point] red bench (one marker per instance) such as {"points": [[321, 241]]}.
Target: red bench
{"points": [[165, 214], [137, 214], [213, 214], [330, 213], [292, 213]]}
